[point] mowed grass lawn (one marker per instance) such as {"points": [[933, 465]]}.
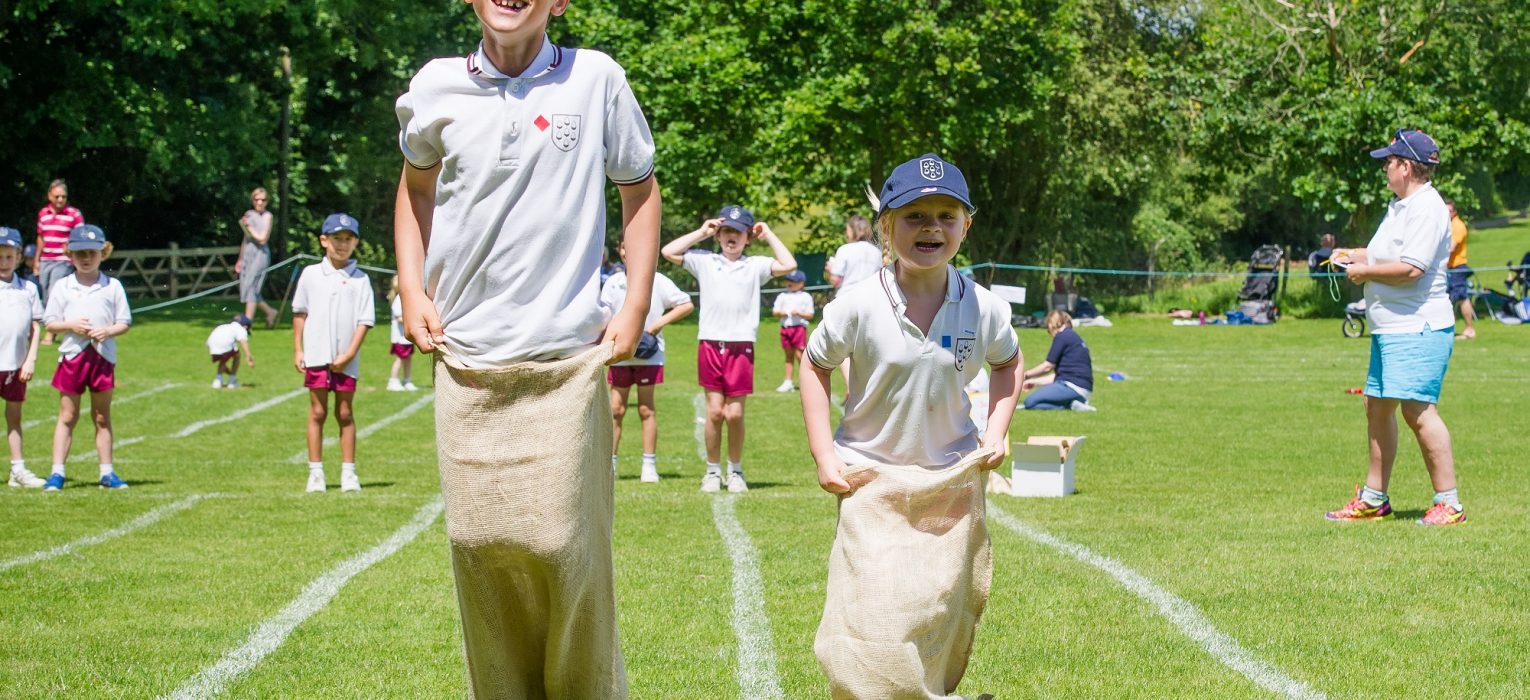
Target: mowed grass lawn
{"points": [[1207, 472]]}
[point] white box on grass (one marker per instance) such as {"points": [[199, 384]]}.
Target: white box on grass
{"points": [[1043, 465]]}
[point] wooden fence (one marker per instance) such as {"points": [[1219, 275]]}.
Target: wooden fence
{"points": [[168, 273]]}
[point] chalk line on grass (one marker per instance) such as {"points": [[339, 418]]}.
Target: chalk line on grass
{"points": [[756, 647], [116, 445], [1180, 612], [137, 523], [271, 633], [236, 415], [115, 402], [699, 405], [302, 455]]}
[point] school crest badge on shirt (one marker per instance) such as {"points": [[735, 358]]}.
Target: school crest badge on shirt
{"points": [[565, 131], [963, 351]]}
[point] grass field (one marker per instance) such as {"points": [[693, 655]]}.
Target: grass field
{"points": [[1205, 476]]}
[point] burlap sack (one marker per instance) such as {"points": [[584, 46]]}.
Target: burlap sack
{"points": [[908, 579], [525, 456]]}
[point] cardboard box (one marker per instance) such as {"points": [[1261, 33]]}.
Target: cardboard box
{"points": [[1043, 466]]}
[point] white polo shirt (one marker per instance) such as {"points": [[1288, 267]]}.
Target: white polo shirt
{"points": [[20, 306], [396, 325], [337, 302], [513, 262], [226, 338], [787, 302], [666, 296], [855, 262], [103, 304], [730, 293], [906, 402], [1416, 231]]}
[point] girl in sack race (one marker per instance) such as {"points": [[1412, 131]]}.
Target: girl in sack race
{"points": [[910, 570]]}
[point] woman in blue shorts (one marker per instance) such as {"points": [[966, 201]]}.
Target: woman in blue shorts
{"points": [[1412, 330]]}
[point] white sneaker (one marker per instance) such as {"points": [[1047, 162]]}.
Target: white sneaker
{"points": [[395, 385], [217, 384], [233, 383], [785, 387], [1081, 406], [736, 483], [315, 481], [349, 481], [711, 483], [25, 479], [650, 473], [409, 386]]}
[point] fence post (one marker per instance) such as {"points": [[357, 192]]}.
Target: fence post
{"points": [[175, 270]]}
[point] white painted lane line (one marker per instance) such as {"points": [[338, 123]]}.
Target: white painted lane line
{"points": [[699, 405], [116, 445], [137, 523], [756, 647], [236, 415], [302, 455], [271, 633], [1179, 611], [117, 402]]}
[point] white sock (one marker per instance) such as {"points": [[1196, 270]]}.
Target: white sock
{"points": [[106, 469], [649, 460], [714, 468], [58, 469], [1449, 497], [613, 462], [316, 467], [347, 467], [18, 466], [736, 467], [219, 378]]}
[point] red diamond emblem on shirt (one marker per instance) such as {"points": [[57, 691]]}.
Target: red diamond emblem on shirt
{"points": [[542, 122]]}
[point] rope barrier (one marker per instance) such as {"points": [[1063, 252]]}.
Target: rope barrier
{"points": [[1173, 273]]}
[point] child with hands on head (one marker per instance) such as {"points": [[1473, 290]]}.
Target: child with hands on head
{"points": [[332, 310], [90, 310], [20, 311], [730, 319]]}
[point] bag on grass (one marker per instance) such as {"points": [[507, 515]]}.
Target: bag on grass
{"points": [[908, 579], [525, 459]]}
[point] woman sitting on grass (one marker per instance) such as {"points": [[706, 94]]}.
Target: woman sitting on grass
{"points": [[1066, 378]]}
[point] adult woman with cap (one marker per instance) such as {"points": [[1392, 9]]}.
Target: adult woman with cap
{"points": [[1412, 329], [255, 256]]}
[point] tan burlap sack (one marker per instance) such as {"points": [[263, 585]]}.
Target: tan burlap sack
{"points": [[908, 579], [525, 456]]}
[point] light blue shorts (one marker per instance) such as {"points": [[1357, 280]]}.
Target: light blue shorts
{"points": [[1409, 366]]}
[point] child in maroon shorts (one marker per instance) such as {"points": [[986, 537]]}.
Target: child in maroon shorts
{"points": [[332, 310], [88, 310], [795, 309], [399, 345], [223, 343], [20, 311]]}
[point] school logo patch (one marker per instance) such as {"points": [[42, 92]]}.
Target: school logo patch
{"points": [[964, 348], [565, 131], [932, 169]]}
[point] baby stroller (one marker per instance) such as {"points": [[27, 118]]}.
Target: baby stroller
{"points": [[1262, 284], [1354, 319]]}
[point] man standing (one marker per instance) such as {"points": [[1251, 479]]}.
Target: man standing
{"points": [[54, 222]]}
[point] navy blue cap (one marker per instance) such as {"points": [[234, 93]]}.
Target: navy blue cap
{"points": [[647, 346], [87, 237], [341, 222], [794, 276], [1412, 144], [243, 320], [926, 175], [10, 237], [736, 217]]}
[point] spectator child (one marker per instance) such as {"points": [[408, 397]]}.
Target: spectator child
{"points": [[332, 310], [730, 320], [20, 310], [402, 350], [224, 343], [644, 370], [90, 310], [1457, 273], [1066, 378], [795, 309], [858, 259]]}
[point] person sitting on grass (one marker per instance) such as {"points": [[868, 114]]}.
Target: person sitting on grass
{"points": [[1065, 379]]}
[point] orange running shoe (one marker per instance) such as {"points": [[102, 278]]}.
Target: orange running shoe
{"points": [[1443, 514], [1358, 509]]}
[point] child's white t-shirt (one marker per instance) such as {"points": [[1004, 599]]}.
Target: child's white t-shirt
{"points": [[666, 296], [20, 307], [1416, 231], [226, 338], [854, 262], [730, 293], [337, 302], [907, 401], [787, 302], [103, 303], [396, 326], [520, 216]]}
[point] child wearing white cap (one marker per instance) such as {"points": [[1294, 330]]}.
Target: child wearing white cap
{"points": [[20, 311]]}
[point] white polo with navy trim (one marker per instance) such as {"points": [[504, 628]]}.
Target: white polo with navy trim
{"points": [[906, 402], [103, 303], [666, 296], [337, 302], [730, 293], [20, 307], [513, 261]]}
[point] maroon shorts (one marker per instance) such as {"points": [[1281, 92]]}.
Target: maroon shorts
{"points": [[87, 370], [793, 338], [230, 355], [727, 367], [624, 376], [11, 386], [402, 350], [325, 378]]}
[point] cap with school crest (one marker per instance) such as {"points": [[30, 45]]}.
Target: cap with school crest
{"points": [[736, 217], [924, 176], [335, 223], [795, 276], [87, 237], [10, 237]]}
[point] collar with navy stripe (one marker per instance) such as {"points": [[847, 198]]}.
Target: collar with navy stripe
{"points": [[956, 287], [548, 59]]}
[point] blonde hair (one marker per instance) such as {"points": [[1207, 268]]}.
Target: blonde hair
{"points": [[106, 250], [859, 228], [393, 288], [259, 190], [1057, 319]]}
